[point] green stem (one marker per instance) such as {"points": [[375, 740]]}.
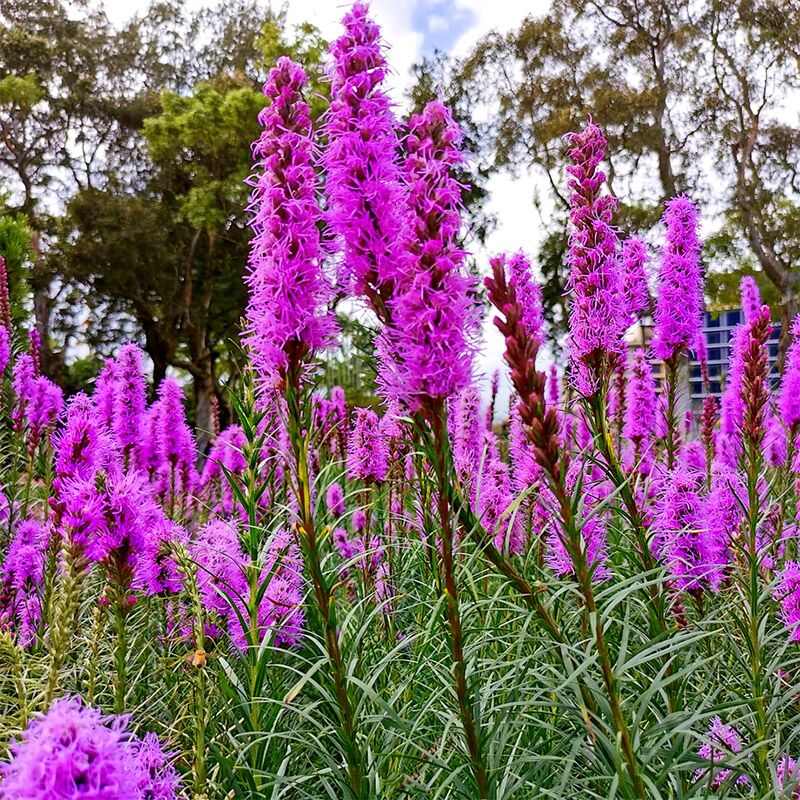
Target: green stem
{"points": [[120, 654], [98, 623], [471, 731], [14, 654], [323, 595], [671, 365], [583, 575], [753, 603], [199, 663], [64, 618]]}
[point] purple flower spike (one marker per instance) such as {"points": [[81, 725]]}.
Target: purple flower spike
{"points": [[287, 315], [334, 500], [723, 742], [750, 297], [598, 317], [634, 277], [789, 401], [640, 406], [73, 751], [5, 348], [367, 451], [788, 595], [528, 292], [426, 354], [129, 399], [367, 199], [679, 305]]}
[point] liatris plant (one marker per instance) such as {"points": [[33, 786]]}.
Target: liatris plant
{"points": [[287, 324], [640, 410], [427, 353], [74, 751], [541, 425], [365, 188], [598, 317], [679, 303], [395, 599], [634, 277]]}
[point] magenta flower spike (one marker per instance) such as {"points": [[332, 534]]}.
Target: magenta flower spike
{"points": [[634, 277], [287, 316], [73, 746], [598, 316], [367, 449], [679, 303], [641, 401], [788, 595], [334, 500], [679, 526], [529, 293], [466, 434], [723, 741], [426, 354], [22, 581], [787, 776], [723, 514], [526, 471], [82, 446], [5, 348], [494, 499], [174, 440], [750, 297], [367, 198], [222, 581], [789, 399], [104, 394], [129, 400]]}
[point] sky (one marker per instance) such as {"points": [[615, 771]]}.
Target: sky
{"points": [[413, 29]]}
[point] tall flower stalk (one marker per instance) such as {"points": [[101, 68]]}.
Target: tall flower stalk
{"points": [[755, 399], [426, 354], [541, 425], [364, 185], [601, 311], [287, 322], [679, 305]]}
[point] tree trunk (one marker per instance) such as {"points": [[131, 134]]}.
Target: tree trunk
{"points": [[204, 391]]}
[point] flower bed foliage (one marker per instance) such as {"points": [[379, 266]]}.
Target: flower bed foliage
{"points": [[600, 599]]}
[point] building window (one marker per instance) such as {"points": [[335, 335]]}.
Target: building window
{"points": [[713, 322], [714, 353], [715, 337], [733, 317]]}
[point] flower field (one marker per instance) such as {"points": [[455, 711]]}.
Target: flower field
{"points": [[598, 599]]}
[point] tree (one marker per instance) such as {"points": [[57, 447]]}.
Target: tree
{"points": [[134, 179], [671, 82]]}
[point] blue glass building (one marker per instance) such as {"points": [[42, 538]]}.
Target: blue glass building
{"points": [[718, 330]]}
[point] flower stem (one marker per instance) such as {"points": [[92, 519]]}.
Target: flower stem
{"points": [[323, 595], [69, 591], [672, 441], [471, 730], [198, 663]]}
